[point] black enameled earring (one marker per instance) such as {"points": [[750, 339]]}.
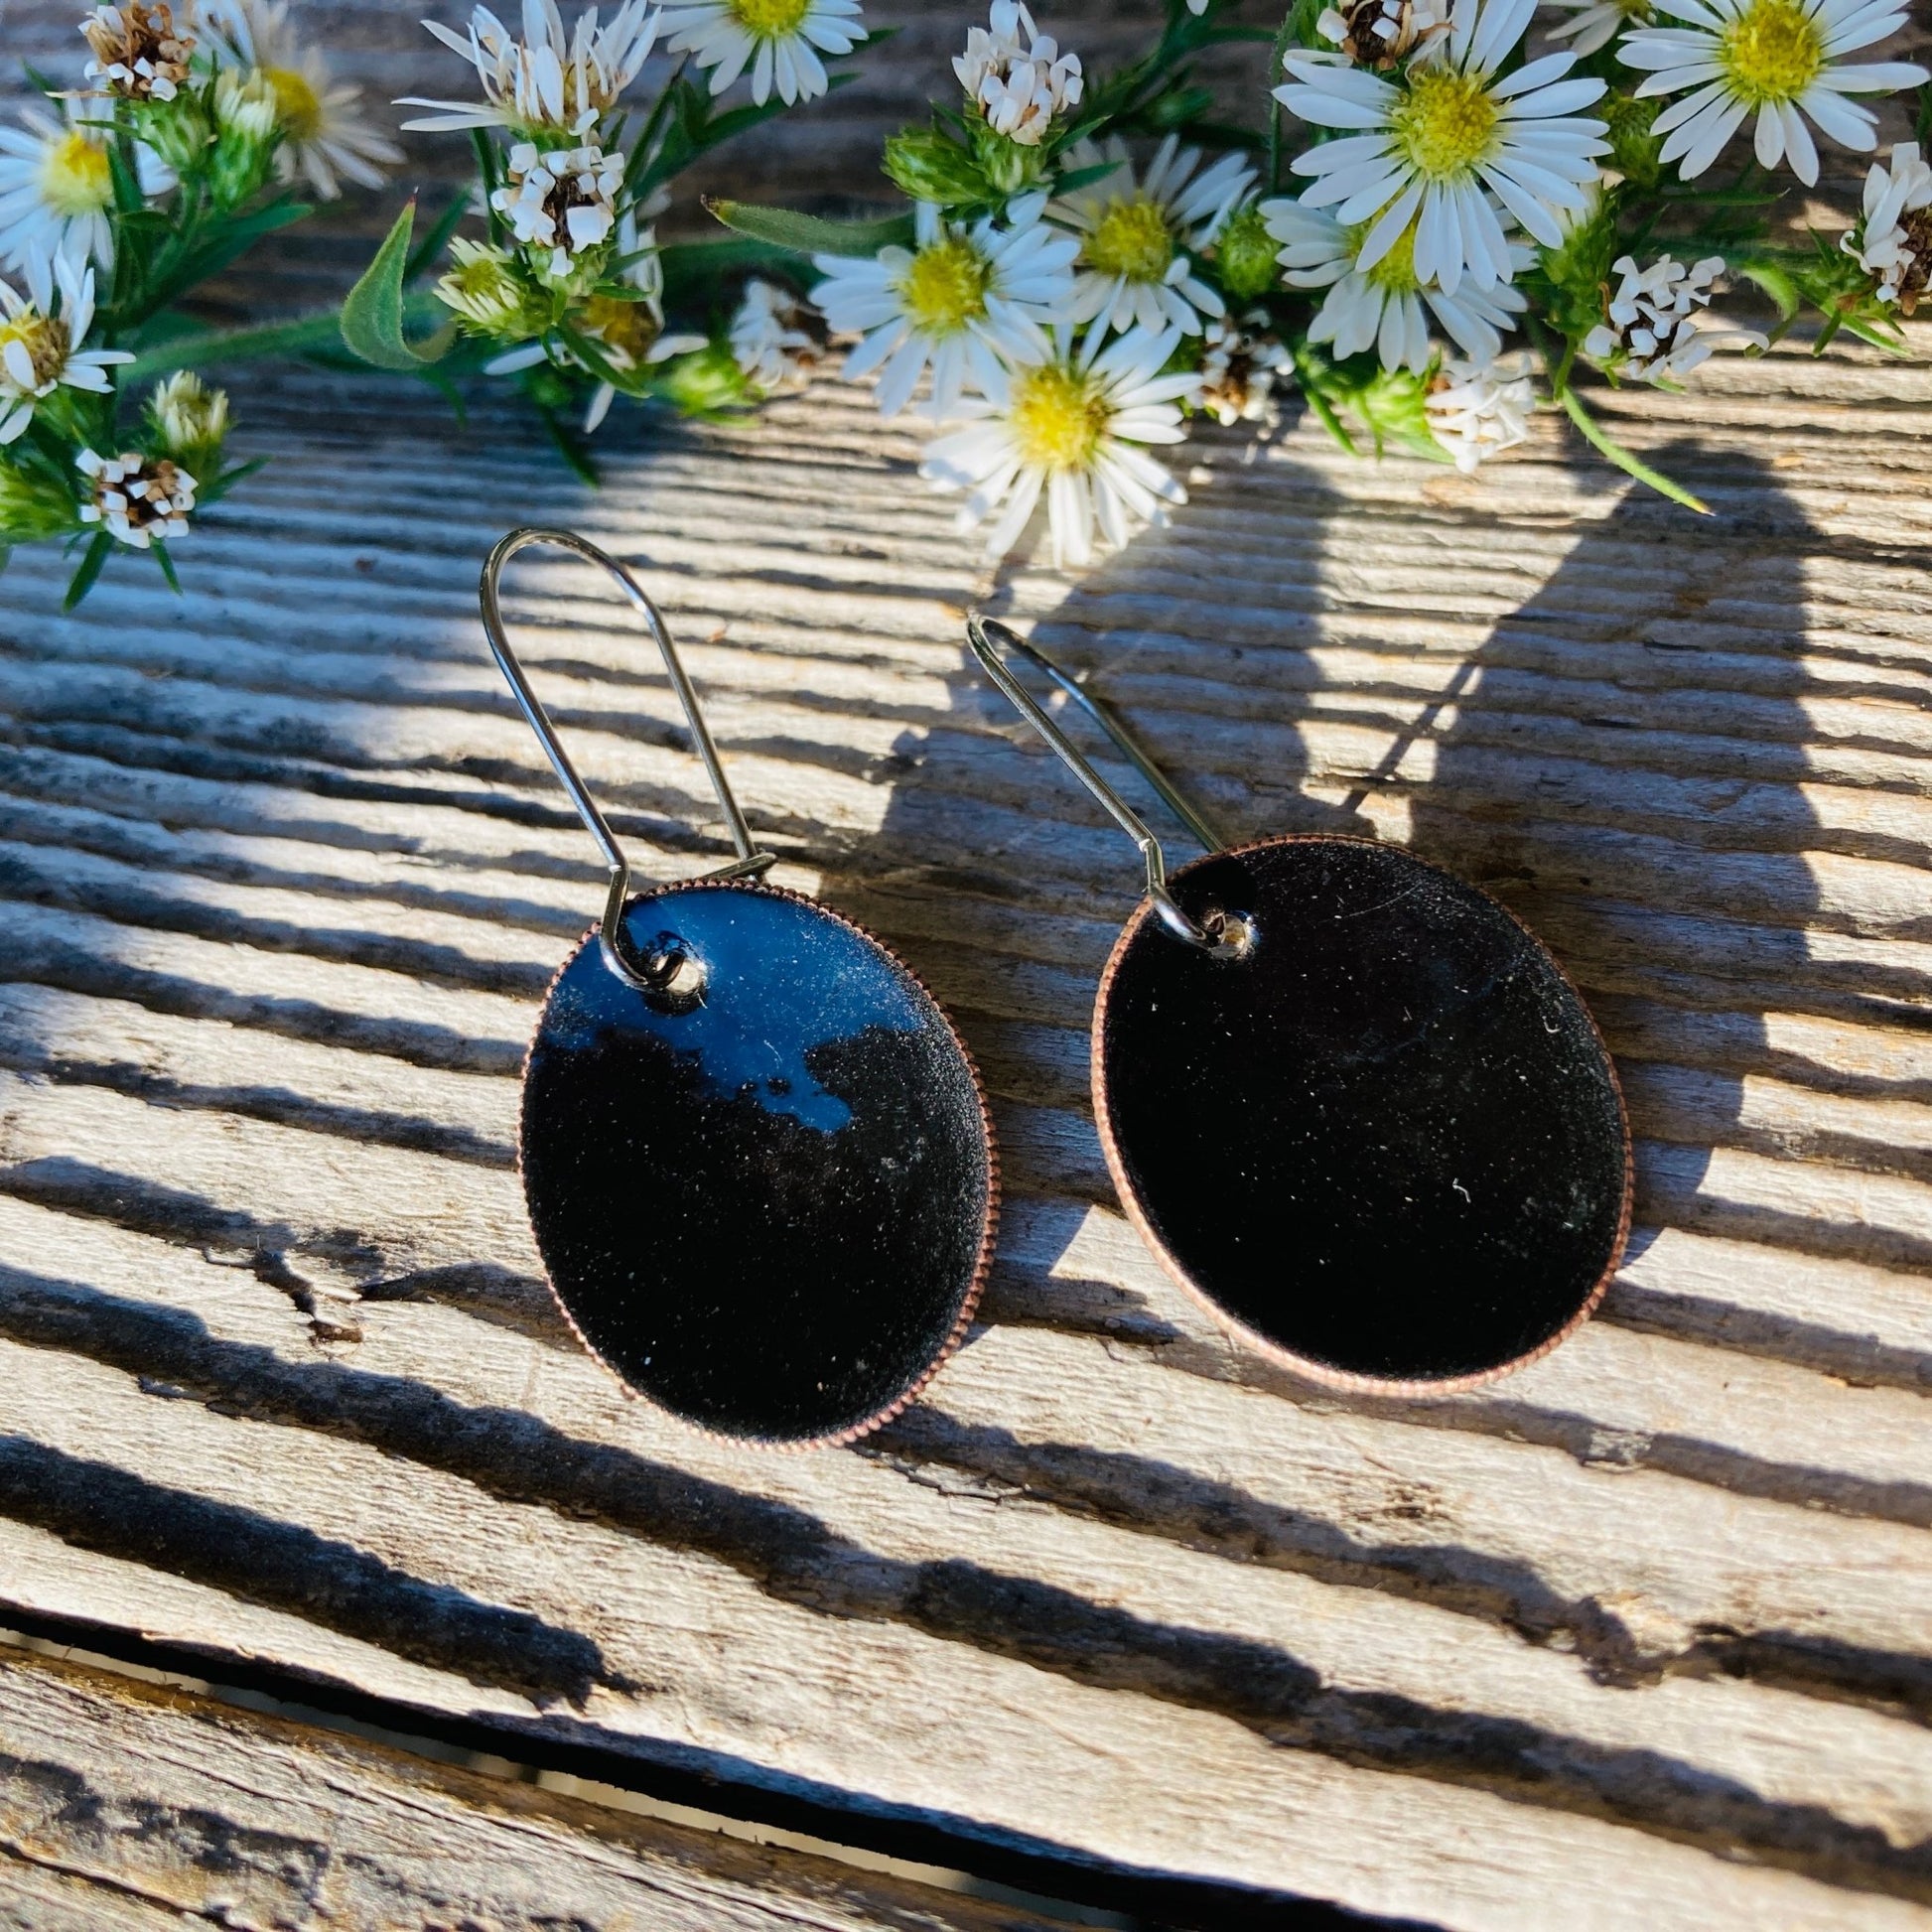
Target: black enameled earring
{"points": [[1353, 1105], [756, 1156]]}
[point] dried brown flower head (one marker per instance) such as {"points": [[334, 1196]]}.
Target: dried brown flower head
{"points": [[1917, 242], [139, 52], [140, 499], [1379, 32]]}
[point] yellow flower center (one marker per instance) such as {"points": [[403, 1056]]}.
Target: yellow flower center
{"points": [[297, 105], [945, 287], [45, 341], [1057, 418], [1772, 52], [626, 327], [1131, 239], [1445, 124], [75, 176], [1396, 271], [769, 20]]}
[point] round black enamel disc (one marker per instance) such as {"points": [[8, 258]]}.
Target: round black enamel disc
{"points": [[1386, 1145], [767, 1208]]}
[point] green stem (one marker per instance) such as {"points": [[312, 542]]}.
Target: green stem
{"points": [[239, 346], [1606, 444], [296, 338], [1277, 57]]}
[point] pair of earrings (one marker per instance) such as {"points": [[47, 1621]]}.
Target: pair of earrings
{"points": [[1353, 1106]]}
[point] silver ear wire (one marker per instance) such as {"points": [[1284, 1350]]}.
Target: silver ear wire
{"points": [[750, 859], [1232, 937]]}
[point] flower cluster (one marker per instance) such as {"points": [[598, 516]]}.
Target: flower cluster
{"points": [[181, 141], [1655, 330], [566, 287], [1061, 301], [1018, 91], [1476, 217]]}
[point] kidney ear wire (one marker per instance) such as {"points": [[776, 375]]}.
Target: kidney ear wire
{"points": [[994, 644], [751, 859]]}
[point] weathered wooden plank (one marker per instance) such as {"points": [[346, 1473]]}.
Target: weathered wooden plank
{"points": [[124, 1803], [1638, 1637], [895, 1608]]}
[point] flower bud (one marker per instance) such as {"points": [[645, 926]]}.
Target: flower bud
{"points": [[33, 506], [190, 422], [485, 293], [931, 168], [247, 131], [1244, 255]]}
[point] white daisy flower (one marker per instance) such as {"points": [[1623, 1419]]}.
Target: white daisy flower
{"points": [[139, 53], [1593, 23], [1379, 32], [141, 499], [543, 83], [325, 138], [38, 340], [1654, 331], [1239, 367], [953, 303], [1893, 240], [1772, 58], [1069, 424], [1134, 269], [1017, 85], [767, 341], [1434, 135], [779, 40], [559, 200], [57, 186], [1386, 306], [1477, 410]]}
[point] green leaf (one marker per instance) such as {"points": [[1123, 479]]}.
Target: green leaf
{"points": [[372, 316], [91, 565], [235, 473], [424, 256], [695, 271], [1185, 104], [590, 352], [1600, 440], [167, 563], [1076, 179], [811, 234], [1776, 281]]}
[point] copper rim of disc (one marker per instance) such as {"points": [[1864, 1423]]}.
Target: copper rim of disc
{"points": [[989, 1229], [1302, 1365]]}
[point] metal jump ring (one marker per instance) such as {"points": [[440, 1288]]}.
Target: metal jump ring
{"points": [[751, 860]]}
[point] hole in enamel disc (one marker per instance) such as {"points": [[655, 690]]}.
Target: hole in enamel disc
{"points": [[1232, 935], [675, 975]]}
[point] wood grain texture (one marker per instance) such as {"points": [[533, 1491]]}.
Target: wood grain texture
{"points": [[1637, 1637], [125, 1804]]}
